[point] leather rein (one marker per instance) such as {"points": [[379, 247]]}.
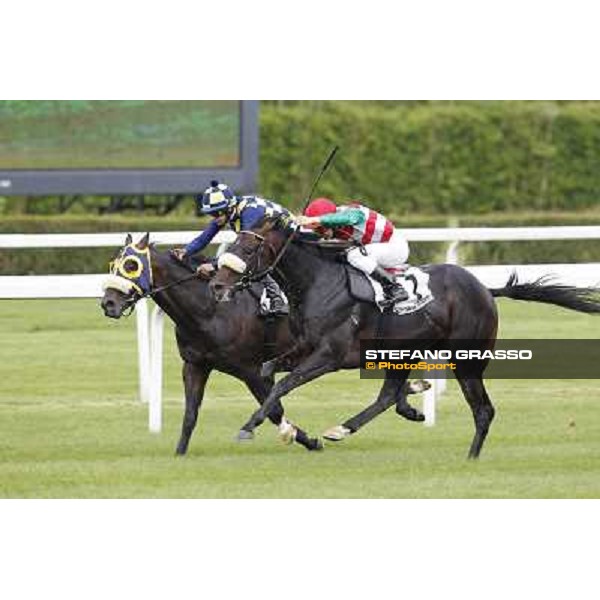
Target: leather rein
{"points": [[250, 277]]}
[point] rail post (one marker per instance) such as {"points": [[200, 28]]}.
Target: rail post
{"points": [[143, 340], [429, 401], [156, 357]]}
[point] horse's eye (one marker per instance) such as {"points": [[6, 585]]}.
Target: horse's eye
{"points": [[247, 251], [130, 266]]}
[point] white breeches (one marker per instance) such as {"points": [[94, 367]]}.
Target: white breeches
{"points": [[389, 255]]}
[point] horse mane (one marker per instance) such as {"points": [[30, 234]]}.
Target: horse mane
{"points": [[185, 264], [333, 245], [324, 249], [278, 222], [329, 250], [190, 264]]}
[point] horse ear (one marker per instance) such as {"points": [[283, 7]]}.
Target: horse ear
{"points": [[143, 243], [128, 239]]}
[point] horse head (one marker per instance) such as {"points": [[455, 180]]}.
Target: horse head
{"points": [[130, 278], [252, 255]]}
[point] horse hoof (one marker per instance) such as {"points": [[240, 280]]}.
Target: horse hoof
{"points": [[244, 436], [418, 386], [410, 413], [287, 432], [337, 433], [316, 445]]}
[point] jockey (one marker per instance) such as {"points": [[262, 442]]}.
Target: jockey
{"points": [[227, 209], [380, 245]]}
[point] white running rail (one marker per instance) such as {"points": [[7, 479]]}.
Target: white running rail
{"points": [[443, 234]]}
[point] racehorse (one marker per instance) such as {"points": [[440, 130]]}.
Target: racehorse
{"points": [[230, 339], [209, 337], [332, 322]]}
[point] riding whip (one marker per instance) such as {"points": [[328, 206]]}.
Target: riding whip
{"points": [[247, 279], [324, 168]]}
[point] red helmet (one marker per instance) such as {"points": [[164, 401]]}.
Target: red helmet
{"points": [[320, 207]]}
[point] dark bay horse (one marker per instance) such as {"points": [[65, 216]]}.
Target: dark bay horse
{"points": [[210, 337], [332, 322]]}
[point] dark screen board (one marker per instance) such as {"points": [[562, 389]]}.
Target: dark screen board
{"points": [[55, 147]]}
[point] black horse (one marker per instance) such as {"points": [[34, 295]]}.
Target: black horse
{"points": [[230, 338], [332, 322], [210, 337]]}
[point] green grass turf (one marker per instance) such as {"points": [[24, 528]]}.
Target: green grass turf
{"points": [[71, 426]]}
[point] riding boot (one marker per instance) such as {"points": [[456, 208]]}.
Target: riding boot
{"points": [[392, 291], [277, 305]]}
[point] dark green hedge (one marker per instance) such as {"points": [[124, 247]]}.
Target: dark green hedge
{"points": [[95, 260], [438, 158]]}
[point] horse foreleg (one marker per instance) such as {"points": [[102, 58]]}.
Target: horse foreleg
{"points": [[289, 432], [312, 367], [194, 382], [388, 395]]}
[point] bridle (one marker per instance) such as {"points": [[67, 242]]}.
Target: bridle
{"points": [[135, 297], [249, 277], [136, 293]]}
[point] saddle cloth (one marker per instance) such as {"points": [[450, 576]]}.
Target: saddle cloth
{"points": [[265, 301], [414, 280]]}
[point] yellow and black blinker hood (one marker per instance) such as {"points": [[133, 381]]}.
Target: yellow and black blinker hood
{"points": [[130, 271]]}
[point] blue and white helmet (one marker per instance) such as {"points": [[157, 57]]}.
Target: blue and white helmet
{"points": [[216, 198]]}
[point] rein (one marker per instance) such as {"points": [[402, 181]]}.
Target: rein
{"points": [[247, 279], [167, 286], [136, 297]]}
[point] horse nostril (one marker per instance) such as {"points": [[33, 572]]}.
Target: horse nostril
{"points": [[107, 305]]}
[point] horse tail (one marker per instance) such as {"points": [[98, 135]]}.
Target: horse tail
{"points": [[585, 300]]}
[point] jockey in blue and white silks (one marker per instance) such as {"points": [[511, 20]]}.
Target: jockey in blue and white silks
{"points": [[240, 213]]}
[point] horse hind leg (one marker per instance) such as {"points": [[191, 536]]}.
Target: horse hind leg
{"points": [[417, 386], [403, 407], [483, 411], [393, 391], [388, 395]]}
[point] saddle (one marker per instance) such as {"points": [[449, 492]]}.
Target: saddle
{"points": [[413, 279], [360, 285]]}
